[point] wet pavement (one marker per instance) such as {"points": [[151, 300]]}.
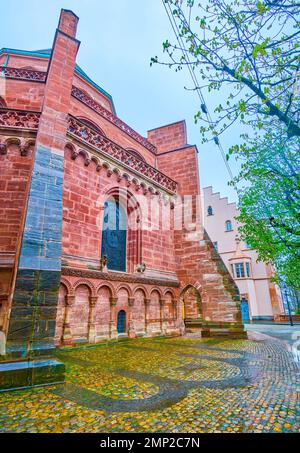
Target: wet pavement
{"points": [[164, 385], [283, 332]]}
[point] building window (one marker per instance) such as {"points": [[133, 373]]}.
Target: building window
{"points": [[248, 271], [239, 270], [209, 210], [114, 235], [215, 244], [232, 270], [228, 225]]}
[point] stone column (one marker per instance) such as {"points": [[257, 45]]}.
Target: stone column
{"points": [[147, 303], [66, 337], [113, 333], [180, 315], [131, 332], [163, 327], [3, 311], [91, 323], [175, 312]]}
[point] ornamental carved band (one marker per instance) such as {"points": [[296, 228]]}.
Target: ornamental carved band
{"points": [[20, 119], [104, 144], [40, 76], [87, 100], [23, 74]]}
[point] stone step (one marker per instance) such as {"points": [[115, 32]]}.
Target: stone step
{"points": [[38, 349], [30, 373]]}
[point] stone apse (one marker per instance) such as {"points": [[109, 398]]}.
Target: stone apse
{"points": [[92, 246]]}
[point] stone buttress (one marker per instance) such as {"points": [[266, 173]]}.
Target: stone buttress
{"points": [[38, 269]]}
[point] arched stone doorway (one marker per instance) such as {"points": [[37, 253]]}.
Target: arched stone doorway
{"points": [[121, 322], [192, 305]]}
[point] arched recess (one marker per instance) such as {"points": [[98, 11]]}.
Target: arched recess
{"points": [[91, 125], [139, 312], [121, 232], [102, 310], [154, 312], [192, 304], [136, 154], [169, 313], [80, 311]]}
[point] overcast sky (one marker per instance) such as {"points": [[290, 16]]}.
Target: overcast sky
{"points": [[118, 38]]}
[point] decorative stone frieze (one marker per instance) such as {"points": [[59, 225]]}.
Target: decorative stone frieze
{"points": [[19, 119], [90, 102], [80, 131], [23, 74], [121, 277]]}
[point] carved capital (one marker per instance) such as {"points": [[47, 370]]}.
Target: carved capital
{"points": [[3, 149], [174, 302], [93, 300], [131, 301], [70, 300], [24, 150], [74, 154], [113, 301], [162, 302], [147, 302]]}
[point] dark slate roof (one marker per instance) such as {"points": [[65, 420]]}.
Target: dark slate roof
{"points": [[47, 53]]}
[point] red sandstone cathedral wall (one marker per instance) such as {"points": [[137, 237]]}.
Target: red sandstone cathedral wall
{"points": [[88, 300], [24, 95], [85, 191], [198, 264]]}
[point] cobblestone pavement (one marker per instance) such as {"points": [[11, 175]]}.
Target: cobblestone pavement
{"points": [[164, 385], [283, 332]]}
